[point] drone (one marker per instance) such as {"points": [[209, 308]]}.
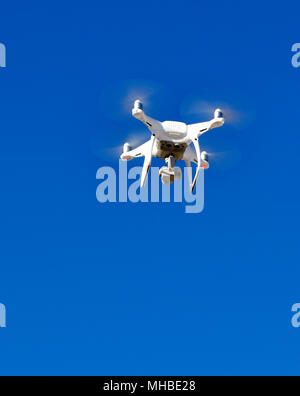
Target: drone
{"points": [[171, 141]]}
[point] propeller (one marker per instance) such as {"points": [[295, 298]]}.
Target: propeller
{"points": [[223, 151], [116, 102], [195, 108], [113, 152], [225, 158]]}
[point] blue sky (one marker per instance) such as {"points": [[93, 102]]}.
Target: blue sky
{"points": [[101, 289]]}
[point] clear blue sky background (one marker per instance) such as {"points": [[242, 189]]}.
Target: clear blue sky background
{"points": [[97, 289]]}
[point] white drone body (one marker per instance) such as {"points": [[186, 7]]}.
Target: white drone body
{"points": [[171, 141]]}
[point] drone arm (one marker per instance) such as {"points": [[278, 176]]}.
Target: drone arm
{"points": [[139, 114], [196, 130], [140, 151], [145, 150], [150, 123]]}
